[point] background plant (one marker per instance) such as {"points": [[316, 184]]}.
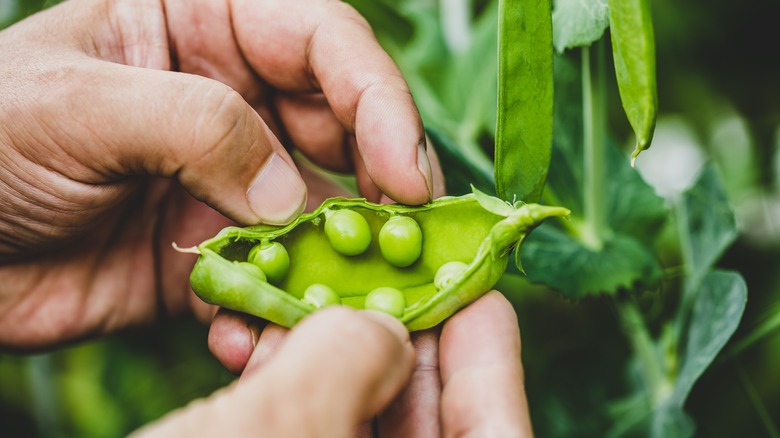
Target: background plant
{"points": [[627, 310]]}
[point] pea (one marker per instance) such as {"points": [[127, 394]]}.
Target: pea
{"points": [[388, 300], [400, 241], [348, 232], [320, 295], [447, 273], [272, 258], [252, 269]]}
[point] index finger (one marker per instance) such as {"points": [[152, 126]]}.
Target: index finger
{"points": [[326, 45]]}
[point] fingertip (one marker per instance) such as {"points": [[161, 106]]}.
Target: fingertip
{"points": [[480, 357], [491, 323], [232, 339], [392, 144], [268, 342], [424, 166], [277, 194], [439, 184], [389, 323], [368, 357]]}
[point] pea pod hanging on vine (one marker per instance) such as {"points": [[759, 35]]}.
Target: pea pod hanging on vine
{"points": [[633, 50], [524, 128]]}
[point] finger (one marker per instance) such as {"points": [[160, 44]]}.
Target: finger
{"points": [[270, 340], [439, 187], [324, 45], [336, 369], [360, 359], [194, 128], [415, 412], [232, 338], [365, 184], [483, 391], [315, 131]]}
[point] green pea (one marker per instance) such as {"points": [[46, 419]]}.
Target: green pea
{"points": [[447, 273], [272, 258], [388, 300], [400, 241], [252, 269], [348, 232], [320, 295]]}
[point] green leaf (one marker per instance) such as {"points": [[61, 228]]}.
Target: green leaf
{"points": [[716, 314], [634, 216], [707, 224], [633, 51], [633, 208], [492, 204], [553, 257], [578, 22], [524, 126]]}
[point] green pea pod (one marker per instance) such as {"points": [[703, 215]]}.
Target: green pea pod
{"points": [[524, 128], [633, 50], [453, 229]]}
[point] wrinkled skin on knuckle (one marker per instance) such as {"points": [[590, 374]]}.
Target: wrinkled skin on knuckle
{"points": [[221, 114], [223, 136]]}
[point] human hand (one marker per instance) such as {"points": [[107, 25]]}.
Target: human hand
{"points": [[338, 368], [467, 381], [116, 113]]}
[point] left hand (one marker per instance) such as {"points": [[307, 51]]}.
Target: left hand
{"points": [[126, 125]]}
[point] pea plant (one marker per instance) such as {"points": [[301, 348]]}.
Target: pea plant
{"points": [[533, 105], [516, 96]]}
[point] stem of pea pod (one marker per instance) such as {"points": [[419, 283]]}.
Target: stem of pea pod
{"points": [[594, 138]]}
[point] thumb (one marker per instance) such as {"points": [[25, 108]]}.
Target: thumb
{"points": [[196, 129], [335, 370]]}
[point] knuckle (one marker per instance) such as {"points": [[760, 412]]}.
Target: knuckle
{"points": [[222, 117]]}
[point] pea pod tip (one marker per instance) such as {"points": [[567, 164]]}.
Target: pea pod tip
{"points": [[190, 250]]}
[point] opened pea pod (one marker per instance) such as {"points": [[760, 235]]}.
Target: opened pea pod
{"points": [[420, 264]]}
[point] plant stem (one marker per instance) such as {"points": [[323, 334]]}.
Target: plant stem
{"points": [[455, 19], [649, 360], [755, 399], [689, 288], [594, 130]]}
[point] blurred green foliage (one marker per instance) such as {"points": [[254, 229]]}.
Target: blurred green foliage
{"points": [[718, 96]]}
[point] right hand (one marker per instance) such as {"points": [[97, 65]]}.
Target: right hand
{"points": [[465, 381]]}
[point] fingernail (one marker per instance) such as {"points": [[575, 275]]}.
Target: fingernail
{"points": [[254, 332], [425, 167], [278, 193]]}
